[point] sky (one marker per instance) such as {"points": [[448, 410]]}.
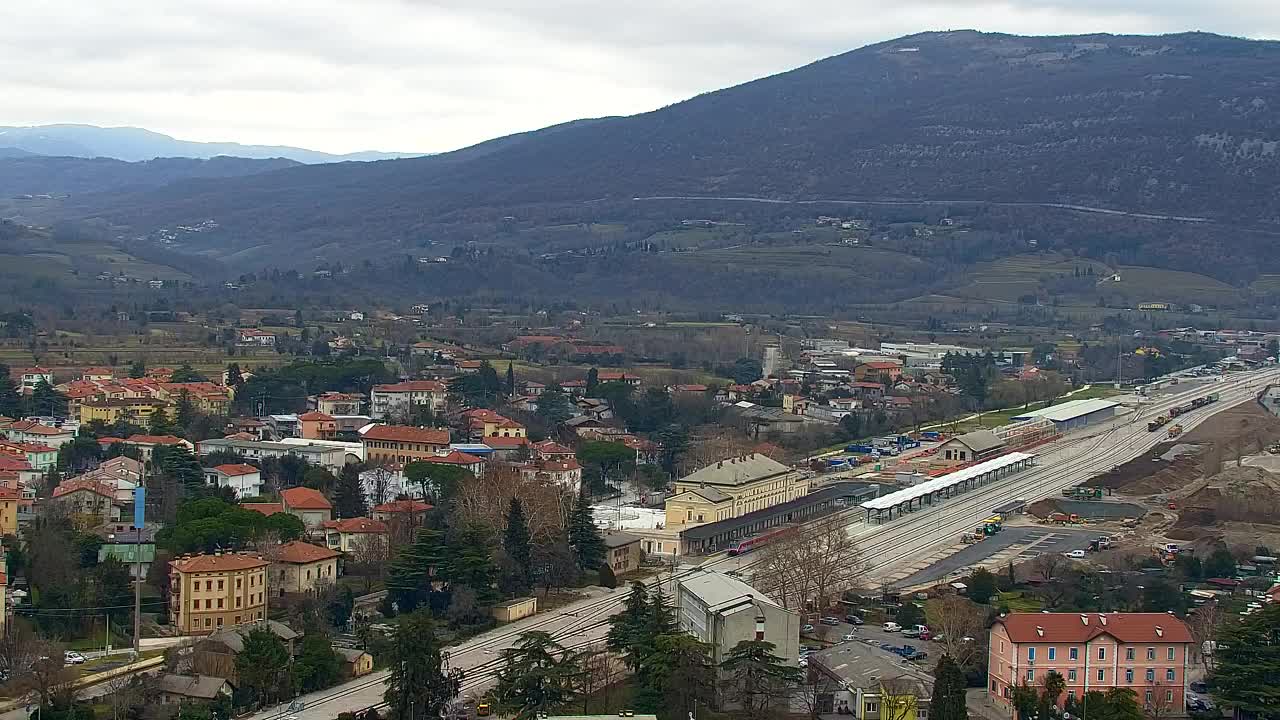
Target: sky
{"points": [[435, 75]]}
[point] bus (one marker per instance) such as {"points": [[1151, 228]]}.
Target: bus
{"points": [[746, 545]]}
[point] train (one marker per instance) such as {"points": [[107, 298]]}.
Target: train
{"points": [[746, 545], [1197, 403]]}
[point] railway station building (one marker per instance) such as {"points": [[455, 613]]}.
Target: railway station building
{"points": [[733, 487], [717, 536], [970, 447]]}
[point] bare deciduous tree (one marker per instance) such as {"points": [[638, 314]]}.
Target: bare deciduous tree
{"points": [[1049, 564], [899, 698], [814, 564], [1204, 623], [956, 618], [369, 556], [378, 484]]}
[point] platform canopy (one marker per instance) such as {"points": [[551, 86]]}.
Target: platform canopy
{"points": [[950, 480]]}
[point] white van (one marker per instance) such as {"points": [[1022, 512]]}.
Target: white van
{"points": [[1075, 554], [892, 627]]}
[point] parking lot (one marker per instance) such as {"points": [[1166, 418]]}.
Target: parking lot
{"points": [[864, 658], [1013, 543]]}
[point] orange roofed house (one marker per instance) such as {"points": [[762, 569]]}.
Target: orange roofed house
{"points": [[1143, 652], [402, 443], [318, 426], [398, 400], [483, 423], [207, 592], [299, 567], [349, 534], [308, 505]]}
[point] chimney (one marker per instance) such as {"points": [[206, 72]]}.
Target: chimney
{"points": [[719, 464], [1159, 631], [759, 628]]}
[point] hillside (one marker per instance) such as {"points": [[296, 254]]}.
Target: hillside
{"points": [[136, 144], [29, 174], [1180, 124]]}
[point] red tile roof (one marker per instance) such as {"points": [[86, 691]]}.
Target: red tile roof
{"points": [[301, 553], [67, 487], [314, 416], [305, 498], [505, 443], [32, 427], [217, 563], [455, 457], [356, 525], [1082, 627], [405, 433], [267, 508], [882, 365], [236, 469], [155, 440], [551, 447], [403, 506], [13, 462], [27, 447], [691, 388]]}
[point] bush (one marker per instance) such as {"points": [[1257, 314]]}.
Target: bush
{"points": [[607, 577]]}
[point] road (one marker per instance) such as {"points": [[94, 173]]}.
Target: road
{"points": [[890, 548]]}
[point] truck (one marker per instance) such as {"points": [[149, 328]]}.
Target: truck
{"points": [[1175, 431], [859, 448], [931, 435]]}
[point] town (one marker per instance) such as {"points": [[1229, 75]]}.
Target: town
{"points": [[520, 522]]}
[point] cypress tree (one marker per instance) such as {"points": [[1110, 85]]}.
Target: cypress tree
{"points": [[10, 398], [511, 380], [517, 542], [626, 629], [584, 536], [348, 493], [948, 691]]}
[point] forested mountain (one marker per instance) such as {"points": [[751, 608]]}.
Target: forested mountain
{"points": [[29, 174], [134, 144]]}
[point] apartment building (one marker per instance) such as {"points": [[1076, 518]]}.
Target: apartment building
{"points": [[398, 400], [402, 443], [208, 592], [1147, 653]]}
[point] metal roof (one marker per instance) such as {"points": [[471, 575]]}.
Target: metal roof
{"points": [[823, 494], [949, 480], [1068, 410]]}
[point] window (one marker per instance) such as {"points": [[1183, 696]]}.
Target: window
{"points": [[237, 619], [220, 584], [239, 583], [1053, 653], [1128, 675], [1148, 696], [1128, 654], [219, 622], [208, 585], [1168, 696], [1031, 654], [207, 622], [1102, 653], [208, 604], [1151, 675], [1074, 653], [1151, 653], [238, 602], [219, 603], [1172, 652], [1071, 694], [1168, 675], [1102, 675], [1001, 646], [1031, 675], [1071, 675], [873, 708]]}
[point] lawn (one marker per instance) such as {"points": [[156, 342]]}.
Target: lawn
{"points": [[1018, 602]]}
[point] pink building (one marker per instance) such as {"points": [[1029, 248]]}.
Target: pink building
{"points": [[1144, 652]]}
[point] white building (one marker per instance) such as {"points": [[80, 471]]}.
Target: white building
{"points": [[245, 480], [722, 611], [400, 399]]}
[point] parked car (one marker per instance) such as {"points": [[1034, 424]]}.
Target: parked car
{"points": [[71, 657], [887, 646], [892, 627], [1075, 554], [853, 619], [830, 620], [910, 633], [1199, 686], [925, 634], [806, 628]]}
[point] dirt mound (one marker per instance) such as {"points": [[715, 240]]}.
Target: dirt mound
{"points": [[1043, 508], [1246, 494], [1248, 422], [1147, 474]]}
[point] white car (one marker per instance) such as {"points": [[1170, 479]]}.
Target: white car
{"points": [[1075, 554], [848, 637], [892, 627], [71, 657]]}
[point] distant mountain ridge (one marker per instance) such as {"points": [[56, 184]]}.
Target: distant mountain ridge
{"points": [[29, 174], [136, 144], [1181, 124]]}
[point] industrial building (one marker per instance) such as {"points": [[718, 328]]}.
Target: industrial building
{"points": [[722, 611], [1073, 414]]}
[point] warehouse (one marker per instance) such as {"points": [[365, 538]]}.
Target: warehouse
{"points": [[1073, 414]]}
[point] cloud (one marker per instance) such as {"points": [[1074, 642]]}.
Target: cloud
{"points": [[344, 75]]}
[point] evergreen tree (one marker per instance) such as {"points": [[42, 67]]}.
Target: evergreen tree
{"points": [[553, 406], [186, 374], [263, 667], [10, 398], [511, 380], [234, 376], [584, 536], [178, 464], [489, 381], [537, 675], [409, 575], [662, 619], [518, 544], [185, 410], [348, 493], [46, 400], [1248, 665], [673, 438], [756, 679], [948, 691], [317, 666], [159, 424], [420, 683], [626, 629], [679, 674], [469, 562], [593, 381], [137, 369]]}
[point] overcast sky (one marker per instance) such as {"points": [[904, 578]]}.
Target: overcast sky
{"points": [[430, 75]]}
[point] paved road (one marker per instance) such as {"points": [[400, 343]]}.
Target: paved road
{"points": [[888, 547]]}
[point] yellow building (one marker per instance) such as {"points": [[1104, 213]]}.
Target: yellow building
{"points": [[135, 410], [208, 592], [731, 488], [10, 498]]}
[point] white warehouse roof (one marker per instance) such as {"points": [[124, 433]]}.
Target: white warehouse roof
{"points": [[928, 487], [1068, 410]]}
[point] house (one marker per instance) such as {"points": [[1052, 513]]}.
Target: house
{"points": [[733, 487], [355, 662], [38, 455], [402, 443], [507, 448], [146, 444], [28, 378], [30, 431], [332, 457], [551, 450], [10, 500], [864, 390], [308, 505], [872, 371], [135, 549], [583, 424], [93, 501], [266, 508], [534, 388], [255, 337], [622, 552], [483, 423], [618, 376], [245, 480], [689, 389], [383, 481], [208, 592], [594, 408], [137, 411], [299, 567], [336, 403], [316, 425], [175, 689], [97, 374], [414, 512], [565, 472], [722, 611], [970, 447], [346, 535], [215, 655], [1148, 653], [471, 463]]}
